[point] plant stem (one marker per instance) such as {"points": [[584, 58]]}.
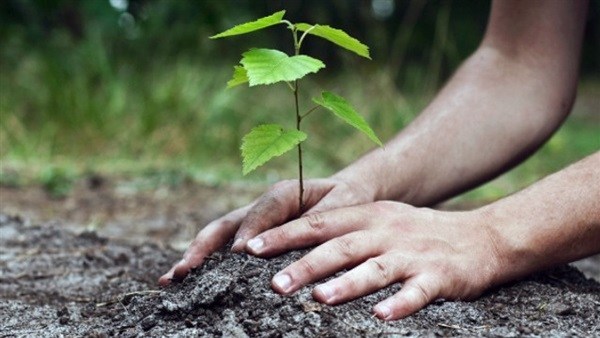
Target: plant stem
{"points": [[300, 171], [309, 111], [301, 206]]}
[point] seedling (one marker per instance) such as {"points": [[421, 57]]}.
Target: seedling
{"points": [[260, 66]]}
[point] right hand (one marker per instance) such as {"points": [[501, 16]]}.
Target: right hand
{"points": [[273, 208]]}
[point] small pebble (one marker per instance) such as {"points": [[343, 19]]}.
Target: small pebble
{"points": [[563, 310], [189, 323], [253, 272], [62, 312], [148, 323], [524, 330]]}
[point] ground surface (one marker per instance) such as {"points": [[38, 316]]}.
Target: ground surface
{"points": [[59, 279], [55, 282]]}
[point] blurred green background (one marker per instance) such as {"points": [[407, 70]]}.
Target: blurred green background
{"points": [[135, 86]]}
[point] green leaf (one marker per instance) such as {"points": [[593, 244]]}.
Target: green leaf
{"points": [[265, 142], [342, 109], [239, 77], [255, 25], [266, 66], [337, 36]]}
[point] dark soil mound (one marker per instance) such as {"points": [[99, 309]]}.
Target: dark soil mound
{"points": [[55, 282]]}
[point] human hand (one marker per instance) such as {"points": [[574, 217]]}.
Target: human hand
{"points": [[273, 208], [434, 254]]}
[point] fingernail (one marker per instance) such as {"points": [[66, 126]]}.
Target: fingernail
{"points": [[383, 311], [167, 277], [236, 243], [327, 291], [283, 281], [255, 244]]}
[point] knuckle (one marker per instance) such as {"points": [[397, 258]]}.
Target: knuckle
{"points": [[307, 267], [425, 294], [276, 236], [343, 246], [381, 269], [315, 221]]}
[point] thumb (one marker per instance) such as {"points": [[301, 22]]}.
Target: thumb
{"points": [[338, 197]]}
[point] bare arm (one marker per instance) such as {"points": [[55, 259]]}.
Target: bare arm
{"points": [[555, 221], [499, 107]]}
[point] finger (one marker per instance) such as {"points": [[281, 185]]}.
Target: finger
{"points": [[326, 259], [415, 294], [165, 279], [337, 198], [275, 207], [324, 197], [209, 239], [314, 228], [370, 276]]}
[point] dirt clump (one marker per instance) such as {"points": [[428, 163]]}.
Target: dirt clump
{"points": [[56, 282]]}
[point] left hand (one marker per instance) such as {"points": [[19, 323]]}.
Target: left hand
{"points": [[435, 254]]}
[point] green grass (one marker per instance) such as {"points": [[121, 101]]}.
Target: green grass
{"points": [[86, 113]]}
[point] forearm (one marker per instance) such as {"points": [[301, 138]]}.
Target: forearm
{"points": [[555, 221], [499, 107]]}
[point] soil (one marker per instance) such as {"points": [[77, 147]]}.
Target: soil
{"points": [[59, 279]]}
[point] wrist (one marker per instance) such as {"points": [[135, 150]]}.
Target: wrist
{"points": [[361, 184], [369, 176], [379, 180], [511, 244]]}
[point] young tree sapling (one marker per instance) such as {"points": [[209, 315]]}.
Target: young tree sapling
{"points": [[260, 66]]}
